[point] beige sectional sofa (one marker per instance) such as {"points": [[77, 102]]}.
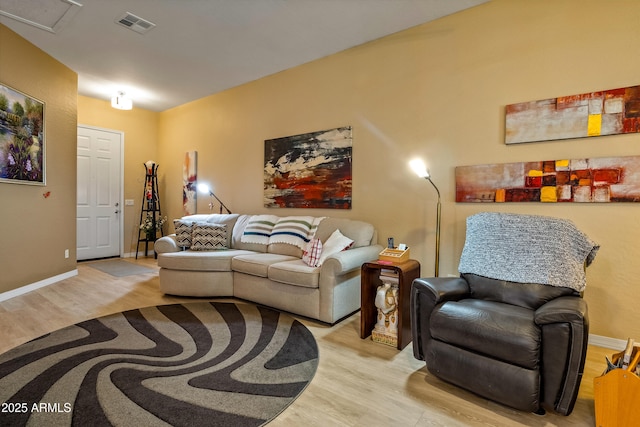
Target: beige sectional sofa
{"points": [[268, 273]]}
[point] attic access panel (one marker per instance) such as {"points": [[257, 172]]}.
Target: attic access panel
{"points": [[48, 15]]}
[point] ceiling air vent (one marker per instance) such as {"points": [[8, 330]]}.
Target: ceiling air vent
{"points": [[135, 23]]}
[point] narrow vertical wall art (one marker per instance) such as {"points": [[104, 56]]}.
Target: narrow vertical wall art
{"points": [[189, 182]]}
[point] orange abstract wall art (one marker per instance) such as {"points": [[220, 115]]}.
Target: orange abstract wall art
{"points": [[608, 112], [597, 180]]}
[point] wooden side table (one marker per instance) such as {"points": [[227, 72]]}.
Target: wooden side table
{"points": [[370, 280]]}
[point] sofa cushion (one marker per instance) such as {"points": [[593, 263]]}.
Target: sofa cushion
{"points": [[528, 295], [238, 232], [257, 264], [226, 219], [296, 273], [197, 217], [360, 232], [502, 331], [209, 237], [284, 249], [199, 260]]}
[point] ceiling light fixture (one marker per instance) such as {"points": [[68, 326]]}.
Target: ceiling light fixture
{"points": [[121, 102]]}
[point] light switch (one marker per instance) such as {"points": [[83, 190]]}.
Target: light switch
{"points": [[128, 202]]}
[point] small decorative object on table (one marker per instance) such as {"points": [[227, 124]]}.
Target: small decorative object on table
{"points": [[386, 329], [394, 255]]}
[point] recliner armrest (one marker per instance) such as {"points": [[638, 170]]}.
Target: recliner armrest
{"points": [[565, 331], [442, 289], [563, 309], [426, 294]]}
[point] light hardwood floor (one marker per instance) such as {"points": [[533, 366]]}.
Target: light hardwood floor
{"points": [[358, 382]]}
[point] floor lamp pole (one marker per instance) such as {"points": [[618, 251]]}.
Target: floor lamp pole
{"points": [[420, 169], [438, 221]]}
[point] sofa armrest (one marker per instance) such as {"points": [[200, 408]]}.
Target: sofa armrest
{"points": [[349, 260], [426, 294], [166, 244]]}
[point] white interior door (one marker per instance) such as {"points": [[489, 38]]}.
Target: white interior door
{"points": [[99, 199]]}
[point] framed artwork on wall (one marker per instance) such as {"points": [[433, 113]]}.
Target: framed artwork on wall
{"points": [[190, 183], [311, 170], [22, 138], [595, 180], [607, 112]]}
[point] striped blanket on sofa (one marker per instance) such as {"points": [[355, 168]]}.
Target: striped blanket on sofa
{"points": [[293, 230]]}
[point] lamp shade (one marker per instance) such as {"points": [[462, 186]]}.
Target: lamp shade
{"points": [[419, 168], [203, 188]]}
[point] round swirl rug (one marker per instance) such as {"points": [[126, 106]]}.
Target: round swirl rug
{"points": [[203, 363]]}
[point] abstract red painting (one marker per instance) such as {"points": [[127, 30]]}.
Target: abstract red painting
{"points": [[311, 170]]}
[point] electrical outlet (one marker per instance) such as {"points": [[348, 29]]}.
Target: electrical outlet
{"points": [[66, 253]]}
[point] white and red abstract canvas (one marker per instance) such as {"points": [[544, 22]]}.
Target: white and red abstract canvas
{"points": [[311, 170], [189, 182]]}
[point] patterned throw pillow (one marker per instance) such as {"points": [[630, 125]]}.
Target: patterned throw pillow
{"points": [[184, 230], [311, 254], [209, 237]]}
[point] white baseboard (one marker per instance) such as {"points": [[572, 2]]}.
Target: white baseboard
{"points": [[606, 342], [41, 284]]}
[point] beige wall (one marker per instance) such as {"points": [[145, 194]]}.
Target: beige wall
{"points": [[436, 91], [140, 129], [34, 230]]}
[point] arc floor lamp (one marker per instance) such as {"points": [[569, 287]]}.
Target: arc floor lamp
{"points": [[421, 170], [204, 188]]}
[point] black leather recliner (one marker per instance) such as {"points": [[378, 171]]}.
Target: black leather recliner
{"points": [[519, 344]]}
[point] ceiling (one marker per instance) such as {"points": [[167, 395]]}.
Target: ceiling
{"points": [[201, 47]]}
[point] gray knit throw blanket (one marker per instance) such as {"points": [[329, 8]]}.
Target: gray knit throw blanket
{"points": [[527, 249]]}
